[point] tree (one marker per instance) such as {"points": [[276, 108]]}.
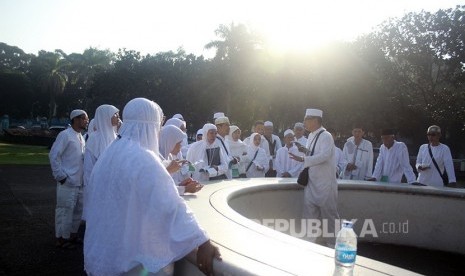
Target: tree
{"points": [[49, 72], [426, 54]]}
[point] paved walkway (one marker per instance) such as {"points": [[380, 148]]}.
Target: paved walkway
{"points": [[27, 240]]}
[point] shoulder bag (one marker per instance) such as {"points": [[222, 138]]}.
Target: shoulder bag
{"points": [[302, 179], [444, 176]]}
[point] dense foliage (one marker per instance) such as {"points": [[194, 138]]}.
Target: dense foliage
{"points": [[407, 74]]}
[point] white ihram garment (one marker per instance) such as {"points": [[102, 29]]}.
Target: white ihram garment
{"points": [[137, 217]]}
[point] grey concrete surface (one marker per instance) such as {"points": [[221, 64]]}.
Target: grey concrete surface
{"points": [[27, 211]]}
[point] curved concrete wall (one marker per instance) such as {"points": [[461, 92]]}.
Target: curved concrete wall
{"points": [[224, 209], [423, 217]]}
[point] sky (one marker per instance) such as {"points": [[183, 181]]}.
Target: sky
{"points": [[152, 26]]}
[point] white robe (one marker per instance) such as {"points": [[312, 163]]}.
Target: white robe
{"points": [[238, 150], [339, 161], [361, 156], [67, 157], [393, 163], [302, 140], [260, 160], [277, 145], [136, 216], [285, 164], [443, 157], [322, 183], [197, 155]]}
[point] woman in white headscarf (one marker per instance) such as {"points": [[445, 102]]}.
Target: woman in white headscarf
{"points": [[137, 221], [103, 133], [258, 162], [181, 125], [170, 145], [208, 156], [238, 150]]}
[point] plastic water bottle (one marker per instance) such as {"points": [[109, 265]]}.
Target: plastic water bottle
{"points": [[345, 249]]}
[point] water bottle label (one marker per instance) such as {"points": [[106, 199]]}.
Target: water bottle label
{"points": [[346, 256]]}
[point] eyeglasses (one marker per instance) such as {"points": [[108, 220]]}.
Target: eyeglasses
{"points": [[431, 134]]}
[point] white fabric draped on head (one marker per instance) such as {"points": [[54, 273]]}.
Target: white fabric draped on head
{"points": [[251, 143], [91, 127], [136, 216], [206, 128], [231, 131], [142, 120], [104, 133], [175, 122], [169, 136]]}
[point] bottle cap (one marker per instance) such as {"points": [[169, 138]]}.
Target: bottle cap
{"points": [[347, 223]]}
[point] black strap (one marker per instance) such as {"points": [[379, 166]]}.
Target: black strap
{"points": [[250, 164], [316, 139], [224, 146], [434, 161]]}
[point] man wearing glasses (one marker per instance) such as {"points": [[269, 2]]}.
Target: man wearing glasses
{"points": [[439, 172], [67, 161]]}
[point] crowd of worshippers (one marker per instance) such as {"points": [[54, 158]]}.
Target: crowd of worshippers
{"points": [[107, 176], [220, 153]]}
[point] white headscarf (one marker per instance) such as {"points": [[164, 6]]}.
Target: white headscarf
{"points": [[136, 215], [104, 133], [142, 120], [175, 122], [231, 131], [169, 136], [251, 143], [205, 130]]}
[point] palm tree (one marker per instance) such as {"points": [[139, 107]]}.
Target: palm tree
{"points": [[235, 51], [49, 68]]}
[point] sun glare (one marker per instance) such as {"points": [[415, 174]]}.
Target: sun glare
{"points": [[306, 25]]}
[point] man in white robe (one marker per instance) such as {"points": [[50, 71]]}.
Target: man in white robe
{"points": [[274, 143], [299, 132], [67, 163], [222, 125], [208, 156], [393, 161], [286, 166], [358, 153], [320, 193], [138, 223], [427, 172]]}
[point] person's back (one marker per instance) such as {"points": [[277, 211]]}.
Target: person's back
{"points": [[136, 217]]}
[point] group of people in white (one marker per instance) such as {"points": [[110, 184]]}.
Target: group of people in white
{"points": [[125, 178]]}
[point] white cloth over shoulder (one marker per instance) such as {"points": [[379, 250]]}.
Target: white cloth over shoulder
{"points": [[197, 155], [361, 156], [392, 163], [136, 215], [260, 161], [443, 157], [322, 183], [286, 164], [67, 157]]}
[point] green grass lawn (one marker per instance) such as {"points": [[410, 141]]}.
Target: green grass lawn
{"points": [[13, 154]]}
